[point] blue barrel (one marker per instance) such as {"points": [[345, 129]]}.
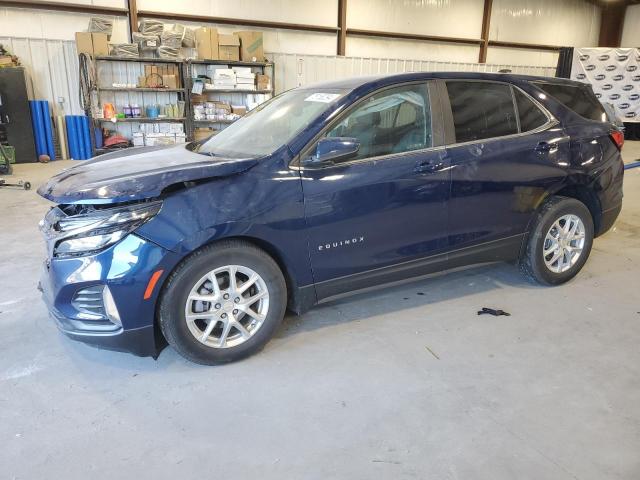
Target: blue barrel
{"points": [[48, 131], [97, 132], [77, 130], [72, 137], [38, 129], [77, 121], [86, 136]]}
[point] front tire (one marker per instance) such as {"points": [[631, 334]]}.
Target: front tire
{"points": [[559, 243], [211, 323]]}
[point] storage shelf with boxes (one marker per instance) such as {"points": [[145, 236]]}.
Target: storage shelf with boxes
{"points": [[131, 94], [200, 80], [228, 78]]}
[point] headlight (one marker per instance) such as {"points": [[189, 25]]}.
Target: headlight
{"points": [[93, 231]]}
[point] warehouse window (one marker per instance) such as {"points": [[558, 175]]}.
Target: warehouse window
{"points": [[393, 121], [580, 99], [481, 110], [531, 117]]}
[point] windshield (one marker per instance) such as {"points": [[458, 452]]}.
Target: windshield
{"points": [[270, 125]]}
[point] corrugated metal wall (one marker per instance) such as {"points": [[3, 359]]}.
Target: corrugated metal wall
{"points": [[52, 67], [52, 71], [294, 70]]}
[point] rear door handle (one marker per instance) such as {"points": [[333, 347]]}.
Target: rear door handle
{"points": [[428, 166], [544, 147]]}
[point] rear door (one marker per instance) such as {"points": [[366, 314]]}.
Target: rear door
{"points": [[385, 207], [505, 151]]}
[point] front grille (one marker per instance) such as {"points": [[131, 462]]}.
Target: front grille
{"points": [[88, 302]]}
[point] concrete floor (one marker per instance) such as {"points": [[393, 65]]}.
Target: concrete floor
{"points": [[406, 382]]}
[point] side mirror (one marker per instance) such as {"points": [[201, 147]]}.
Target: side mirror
{"points": [[330, 149]]}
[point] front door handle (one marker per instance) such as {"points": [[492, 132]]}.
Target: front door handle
{"points": [[428, 166], [544, 147]]}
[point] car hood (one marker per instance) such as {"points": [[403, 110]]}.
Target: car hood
{"points": [[136, 173]]}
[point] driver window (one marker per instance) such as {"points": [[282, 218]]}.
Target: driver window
{"points": [[395, 120]]}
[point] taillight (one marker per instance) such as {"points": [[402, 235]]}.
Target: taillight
{"points": [[618, 138]]}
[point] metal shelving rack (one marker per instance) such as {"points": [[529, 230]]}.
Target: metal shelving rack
{"points": [[190, 65], [186, 73], [182, 93]]}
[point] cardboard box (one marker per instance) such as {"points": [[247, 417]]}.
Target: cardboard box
{"points": [[263, 82], [251, 48], [215, 53], [100, 44], [6, 60], [202, 134], [84, 43], [239, 109], [207, 43], [170, 81], [203, 43], [229, 47]]}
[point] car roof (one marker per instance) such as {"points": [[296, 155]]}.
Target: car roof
{"points": [[376, 81]]}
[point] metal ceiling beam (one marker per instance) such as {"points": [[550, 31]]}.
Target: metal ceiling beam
{"points": [[412, 36], [133, 17], [235, 21], [525, 46], [342, 27], [486, 22]]}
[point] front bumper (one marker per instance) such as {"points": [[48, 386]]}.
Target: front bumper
{"points": [[125, 269], [140, 341]]}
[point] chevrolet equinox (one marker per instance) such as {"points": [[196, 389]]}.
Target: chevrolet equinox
{"points": [[322, 191]]}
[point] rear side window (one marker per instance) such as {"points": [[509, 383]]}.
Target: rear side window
{"points": [[481, 110], [531, 117], [579, 99]]}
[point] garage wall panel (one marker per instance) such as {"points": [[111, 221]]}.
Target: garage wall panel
{"points": [[631, 28], [52, 71], [552, 22], [519, 56], [294, 70], [16, 22], [312, 12], [421, 50], [97, 3], [449, 18]]}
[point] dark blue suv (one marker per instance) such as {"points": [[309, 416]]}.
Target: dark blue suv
{"points": [[322, 191]]}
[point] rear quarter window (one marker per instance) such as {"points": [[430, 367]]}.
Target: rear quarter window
{"points": [[531, 117], [580, 99]]}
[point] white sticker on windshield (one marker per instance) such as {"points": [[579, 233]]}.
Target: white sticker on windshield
{"points": [[322, 97]]}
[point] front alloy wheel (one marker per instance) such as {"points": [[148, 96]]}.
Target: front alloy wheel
{"points": [[222, 303], [227, 306]]}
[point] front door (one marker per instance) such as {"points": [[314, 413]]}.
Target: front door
{"points": [[378, 214]]}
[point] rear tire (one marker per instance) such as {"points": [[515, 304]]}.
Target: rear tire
{"points": [[246, 305], [559, 243]]}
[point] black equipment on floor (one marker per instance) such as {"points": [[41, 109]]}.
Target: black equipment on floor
{"points": [[15, 114]]}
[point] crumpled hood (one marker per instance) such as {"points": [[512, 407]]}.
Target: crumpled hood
{"points": [[135, 174]]}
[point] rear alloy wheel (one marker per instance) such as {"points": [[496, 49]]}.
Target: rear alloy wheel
{"points": [[559, 243], [564, 243], [222, 303]]}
